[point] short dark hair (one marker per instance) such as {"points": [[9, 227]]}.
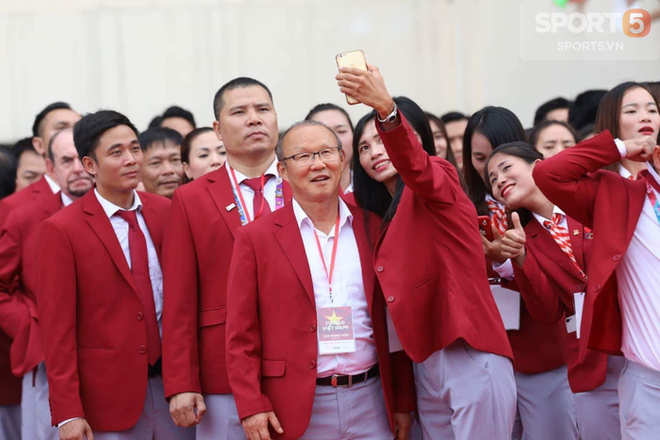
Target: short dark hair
{"points": [[549, 106], [583, 110], [155, 122], [159, 135], [537, 130], [187, 142], [177, 112], [88, 131], [240, 82], [280, 142], [453, 117], [22, 146], [8, 168], [329, 106], [36, 127]]}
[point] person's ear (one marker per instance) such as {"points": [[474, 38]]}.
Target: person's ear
{"points": [[281, 169], [90, 165], [216, 130], [186, 169], [656, 158], [50, 166], [38, 145]]}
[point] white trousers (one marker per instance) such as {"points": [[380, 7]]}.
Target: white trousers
{"points": [[10, 422], [221, 420], [639, 402], [36, 423]]}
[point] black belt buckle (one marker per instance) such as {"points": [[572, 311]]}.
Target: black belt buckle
{"points": [[335, 384]]}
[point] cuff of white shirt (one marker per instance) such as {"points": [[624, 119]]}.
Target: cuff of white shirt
{"points": [[504, 270], [621, 147], [59, 425]]}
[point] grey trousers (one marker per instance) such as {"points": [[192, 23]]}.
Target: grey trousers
{"points": [[598, 410], [349, 413], [465, 394], [36, 423], [546, 406], [154, 423], [221, 420], [639, 402], [10, 422]]}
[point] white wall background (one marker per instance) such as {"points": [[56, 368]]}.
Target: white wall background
{"points": [[140, 56]]}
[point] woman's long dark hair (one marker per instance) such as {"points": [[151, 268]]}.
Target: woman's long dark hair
{"points": [[499, 126], [524, 151], [374, 196]]}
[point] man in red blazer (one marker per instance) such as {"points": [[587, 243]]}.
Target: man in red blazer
{"points": [[99, 295], [306, 327], [18, 248], [621, 307], [197, 251]]}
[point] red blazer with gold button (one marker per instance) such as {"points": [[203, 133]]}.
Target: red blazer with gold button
{"points": [[197, 251], [18, 309], [430, 261], [610, 206], [271, 323], [547, 282], [91, 315]]}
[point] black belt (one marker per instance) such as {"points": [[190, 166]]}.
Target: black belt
{"points": [[155, 369], [338, 380]]}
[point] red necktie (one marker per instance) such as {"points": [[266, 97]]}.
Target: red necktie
{"points": [[140, 268], [255, 184], [498, 218], [561, 237]]}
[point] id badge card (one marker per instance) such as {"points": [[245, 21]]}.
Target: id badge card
{"points": [[335, 330], [578, 303]]}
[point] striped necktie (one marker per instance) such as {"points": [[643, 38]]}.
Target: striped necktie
{"points": [[498, 215], [561, 237]]}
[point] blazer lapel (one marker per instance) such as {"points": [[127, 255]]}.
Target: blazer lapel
{"points": [[544, 241], [577, 241], [366, 252], [288, 236], [100, 224], [52, 205], [222, 194]]}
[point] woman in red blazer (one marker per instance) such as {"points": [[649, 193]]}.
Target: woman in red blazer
{"points": [[429, 262], [545, 401], [548, 276]]}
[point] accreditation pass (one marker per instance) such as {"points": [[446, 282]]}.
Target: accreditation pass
{"points": [[335, 330]]}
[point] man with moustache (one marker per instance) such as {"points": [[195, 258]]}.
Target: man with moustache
{"points": [[54, 117], [197, 251], [99, 295], [18, 313]]}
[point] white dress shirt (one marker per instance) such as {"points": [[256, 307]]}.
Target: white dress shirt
{"points": [[270, 188], [54, 187], [347, 289], [555, 210], [66, 201]]}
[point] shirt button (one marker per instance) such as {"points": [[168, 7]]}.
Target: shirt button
{"points": [[142, 349], [616, 257], [390, 299], [139, 316], [380, 268], [312, 328], [312, 365]]}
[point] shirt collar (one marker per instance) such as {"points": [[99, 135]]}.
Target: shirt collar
{"points": [[111, 209], [272, 169], [623, 172], [66, 200], [54, 187], [302, 217], [653, 172], [541, 219]]}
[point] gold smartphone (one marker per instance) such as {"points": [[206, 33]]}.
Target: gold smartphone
{"points": [[356, 60]]}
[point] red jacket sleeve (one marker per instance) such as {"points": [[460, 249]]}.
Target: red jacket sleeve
{"points": [[403, 382], [565, 178], [56, 289], [244, 330], [434, 179], [180, 304], [14, 311], [538, 291]]}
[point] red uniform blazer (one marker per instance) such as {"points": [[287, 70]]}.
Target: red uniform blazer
{"points": [[547, 281], [91, 315], [9, 384], [610, 206], [27, 195], [271, 322], [430, 261], [197, 251], [18, 310]]}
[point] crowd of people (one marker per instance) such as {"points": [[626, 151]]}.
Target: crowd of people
{"points": [[411, 276]]}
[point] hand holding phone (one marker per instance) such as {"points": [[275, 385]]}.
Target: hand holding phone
{"points": [[356, 60], [485, 227]]}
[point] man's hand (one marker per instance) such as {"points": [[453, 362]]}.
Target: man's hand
{"points": [[256, 426], [187, 409], [368, 87], [513, 242], [77, 429], [640, 149], [402, 423], [492, 249]]}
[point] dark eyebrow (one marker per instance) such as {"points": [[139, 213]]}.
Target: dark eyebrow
{"points": [[499, 165]]}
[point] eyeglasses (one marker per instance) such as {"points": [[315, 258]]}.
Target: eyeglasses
{"points": [[329, 154]]}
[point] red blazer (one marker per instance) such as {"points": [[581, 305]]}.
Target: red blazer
{"points": [[610, 206], [547, 281], [91, 315], [271, 322], [27, 195], [430, 260], [197, 251], [18, 309], [9, 384]]}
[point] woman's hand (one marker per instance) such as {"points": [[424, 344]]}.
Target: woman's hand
{"points": [[493, 249], [513, 242], [368, 87]]}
